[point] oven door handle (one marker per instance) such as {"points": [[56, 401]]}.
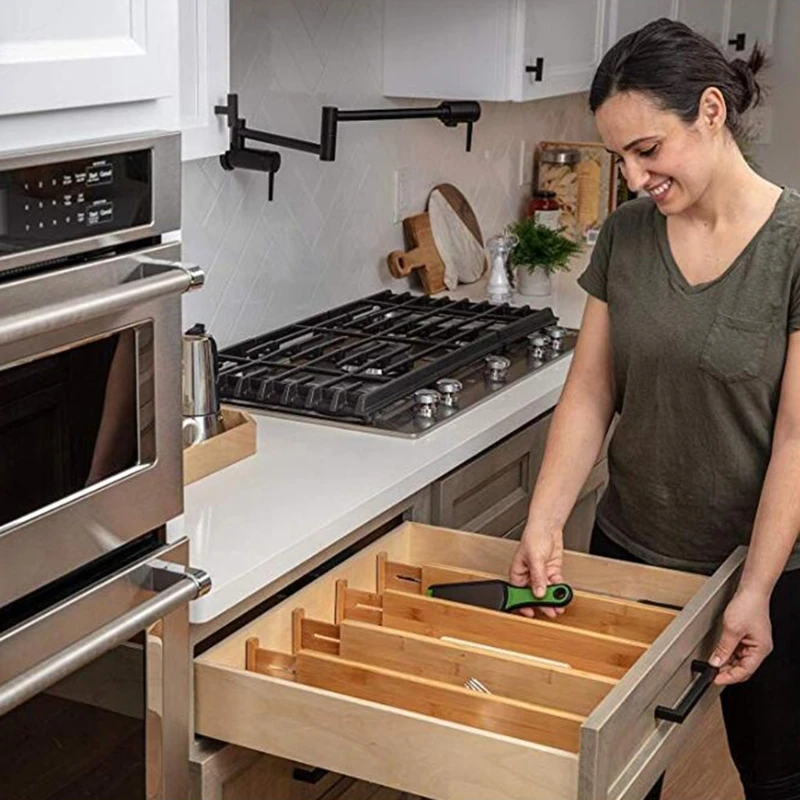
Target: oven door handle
{"points": [[181, 586], [150, 278]]}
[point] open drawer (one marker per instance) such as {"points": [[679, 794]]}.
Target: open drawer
{"points": [[361, 673]]}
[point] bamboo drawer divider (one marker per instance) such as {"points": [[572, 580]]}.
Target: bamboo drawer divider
{"points": [[397, 646], [625, 619]]}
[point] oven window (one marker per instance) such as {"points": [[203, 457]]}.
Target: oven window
{"points": [[74, 418], [83, 739]]}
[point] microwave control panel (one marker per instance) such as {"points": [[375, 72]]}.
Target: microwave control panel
{"points": [[53, 203]]}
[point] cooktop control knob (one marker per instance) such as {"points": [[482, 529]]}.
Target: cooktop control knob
{"points": [[538, 344], [557, 336], [497, 368], [426, 403], [449, 388]]}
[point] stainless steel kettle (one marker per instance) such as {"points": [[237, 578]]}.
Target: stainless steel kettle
{"points": [[201, 415]]}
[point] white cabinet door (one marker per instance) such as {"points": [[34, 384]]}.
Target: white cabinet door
{"points": [[563, 42], [709, 17], [447, 49], [626, 16], [204, 76], [751, 21], [490, 49], [82, 53]]}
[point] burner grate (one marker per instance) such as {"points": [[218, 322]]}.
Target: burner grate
{"points": [[357, 358]]}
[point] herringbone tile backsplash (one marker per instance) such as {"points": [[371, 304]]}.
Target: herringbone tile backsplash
{"points": [[325, 237]]}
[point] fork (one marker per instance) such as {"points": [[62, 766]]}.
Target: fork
{"points": [[476, 686]]}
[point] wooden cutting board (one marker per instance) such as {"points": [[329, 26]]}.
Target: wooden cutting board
{"points": [[457, 235], [420, 255]]}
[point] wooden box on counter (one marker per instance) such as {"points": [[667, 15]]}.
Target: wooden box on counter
{"points": [[236, 442], [362, 674]]}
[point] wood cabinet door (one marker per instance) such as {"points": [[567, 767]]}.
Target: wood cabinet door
{"points": [[562, 46], [626, 16], [84, 53], [491, 493]]}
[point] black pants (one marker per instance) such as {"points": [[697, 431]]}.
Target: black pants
{"points": [[762, 715]]}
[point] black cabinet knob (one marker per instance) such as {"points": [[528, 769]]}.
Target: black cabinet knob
{"points": [[739, 41], [537, 69]]}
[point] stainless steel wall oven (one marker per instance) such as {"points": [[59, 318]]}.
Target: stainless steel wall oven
{"points": [[94, 653]]}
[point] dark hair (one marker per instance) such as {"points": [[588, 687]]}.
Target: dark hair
{"points": [[674, 65]]}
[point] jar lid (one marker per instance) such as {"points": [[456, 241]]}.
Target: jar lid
{"points": [[560, 156], [545, 193]]}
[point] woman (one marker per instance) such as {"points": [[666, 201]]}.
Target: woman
{"points": [[690, 335]]}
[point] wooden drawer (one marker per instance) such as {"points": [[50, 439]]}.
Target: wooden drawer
{"points": [[491, 493], [351, 674]]}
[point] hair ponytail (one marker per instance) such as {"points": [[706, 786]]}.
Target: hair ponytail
{"points": [[674, 65], [746, 71]]}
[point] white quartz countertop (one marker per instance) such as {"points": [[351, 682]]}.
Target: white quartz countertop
{"points": [[310, 485]]}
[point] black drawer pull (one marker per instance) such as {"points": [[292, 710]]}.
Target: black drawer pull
{"points": [[740, 41], [537, 70], [706, 674], [309, 775]]}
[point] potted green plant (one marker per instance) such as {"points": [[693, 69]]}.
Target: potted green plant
{"points": [[540, 252]]}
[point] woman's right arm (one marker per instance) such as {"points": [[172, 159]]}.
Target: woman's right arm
{"points": [[580, 423]]}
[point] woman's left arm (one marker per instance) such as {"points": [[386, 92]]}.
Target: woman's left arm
{"points": [[747, 633]]}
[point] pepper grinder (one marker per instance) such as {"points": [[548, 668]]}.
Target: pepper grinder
{"points": [[498, 289]]}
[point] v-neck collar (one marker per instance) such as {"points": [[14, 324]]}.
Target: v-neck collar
{"points": [[675, 271]]}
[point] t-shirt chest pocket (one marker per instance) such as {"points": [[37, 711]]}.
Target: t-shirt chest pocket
{"points": [[734, 348]]}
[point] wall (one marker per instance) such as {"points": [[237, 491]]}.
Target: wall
{"points": [[780, 160], [325, 237]]}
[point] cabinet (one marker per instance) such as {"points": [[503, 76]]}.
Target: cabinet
{"points": [[750, 22], [735, 25], [626, 16], [491, 49], [93, 69], [204, 32], [491, 493]]}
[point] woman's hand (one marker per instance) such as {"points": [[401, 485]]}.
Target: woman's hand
{"points": [[537, 563], [746, 638]]}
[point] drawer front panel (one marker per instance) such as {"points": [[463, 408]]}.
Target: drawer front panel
{"points": [[395, 748]]}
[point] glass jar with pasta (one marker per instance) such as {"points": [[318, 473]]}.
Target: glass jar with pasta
{"points": [[558, 172]]}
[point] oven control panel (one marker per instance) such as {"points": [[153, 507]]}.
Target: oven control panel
{"points": [[52, 203]]}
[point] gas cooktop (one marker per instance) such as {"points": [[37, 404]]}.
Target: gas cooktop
{"points": [[393, 362]]}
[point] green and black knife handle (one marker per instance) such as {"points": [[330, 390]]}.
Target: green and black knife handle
{"points": [[499, 595]]}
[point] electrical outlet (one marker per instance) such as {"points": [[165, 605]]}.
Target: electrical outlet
{"points": [[403, 191], [526, 154]]}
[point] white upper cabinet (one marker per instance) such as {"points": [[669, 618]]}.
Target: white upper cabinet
{"points": [[204, 76], [85, 53], [708, 17], [626, 16], [563, 46], [90, 69], [490, 49], [735, 25], [751, 21]]}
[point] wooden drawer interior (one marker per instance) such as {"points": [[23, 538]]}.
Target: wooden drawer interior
{"points": [[366, 632]]}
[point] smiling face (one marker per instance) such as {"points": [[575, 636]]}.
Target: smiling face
{"points": [[659, 153]]}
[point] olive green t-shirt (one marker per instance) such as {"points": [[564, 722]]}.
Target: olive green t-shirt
{"points": [[697, 374]]}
